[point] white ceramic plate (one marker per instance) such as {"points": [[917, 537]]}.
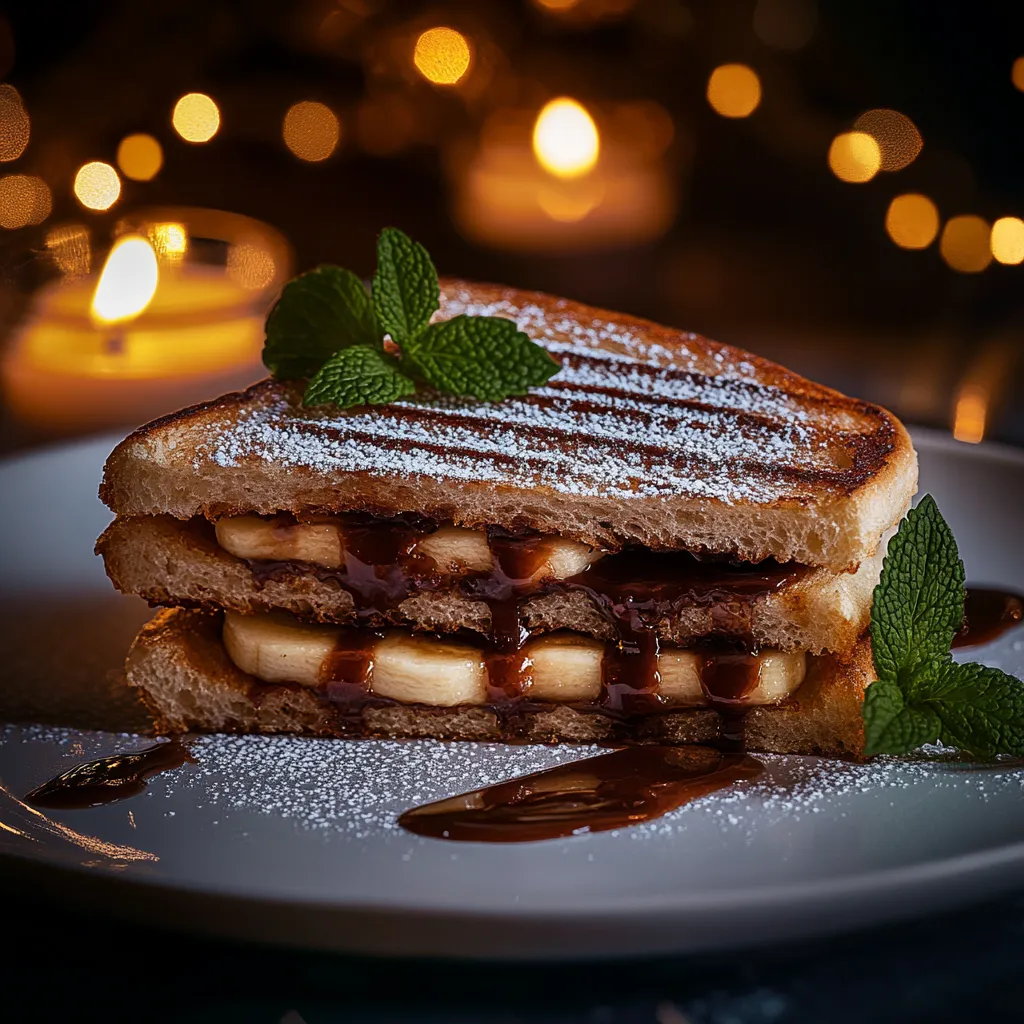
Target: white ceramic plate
{"points": [[295, 841]]}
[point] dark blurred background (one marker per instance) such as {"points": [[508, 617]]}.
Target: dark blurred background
{"points": [[837, 186]]}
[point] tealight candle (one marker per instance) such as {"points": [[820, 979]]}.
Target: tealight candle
{"points": [[568, 187], [145, 338]]}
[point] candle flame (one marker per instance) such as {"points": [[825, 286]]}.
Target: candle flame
{"points": [[565, 138], [128, 281]]}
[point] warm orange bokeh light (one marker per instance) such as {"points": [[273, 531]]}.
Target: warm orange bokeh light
{"points": [[1017, 73], [442, 55], [15, 126], [24, 200], [854, 157], [250, 265], [966, 244], [897, 136], [565, 139], [912, 221], [734, 90], [97, 186], [970, 414], [140, 157], [1007, 241], [311, 130], [169, 241], [196, 118]]}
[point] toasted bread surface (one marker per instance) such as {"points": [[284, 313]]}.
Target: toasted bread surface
{"points": [[647, 436], [170, 562], [187, 680]]}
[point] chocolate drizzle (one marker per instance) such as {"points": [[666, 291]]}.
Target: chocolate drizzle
{"points": [[592, 795], [108, 779], [636, 590], [988, 613]]}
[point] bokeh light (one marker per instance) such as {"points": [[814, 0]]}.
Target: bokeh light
{"points": [[565, 138], [854, 157], [140, 157], [897, 137], [15, 126], [1007, 240], [557, 5], [970, 413], [70, 247], [912, 221], [196, 118], [734, 90], [128, 281], [24, 200], [442, 55], [250, 265], [1017, 73], [169, 241], [785, 24], [966, 243], [311, 130], [97, 186]]}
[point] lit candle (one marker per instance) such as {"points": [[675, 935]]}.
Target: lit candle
{"points": [[562, 184], [146, 338]]}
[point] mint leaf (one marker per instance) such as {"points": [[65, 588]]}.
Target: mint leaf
{"points": [[981, 709], [483, 357], [359, 375], [405, 288], [318, 313], [893, 727], [919, 603], [922, 695]]}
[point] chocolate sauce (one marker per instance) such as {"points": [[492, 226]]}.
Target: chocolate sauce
{"points": [[988, 613], [636, 590], [592, 795], [108, 779], [727, 679], [517, 562]]}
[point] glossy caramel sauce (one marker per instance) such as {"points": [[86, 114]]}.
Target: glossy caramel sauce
{"points": [[609, 791], [988, 614], [105, 780], [634, 589]]}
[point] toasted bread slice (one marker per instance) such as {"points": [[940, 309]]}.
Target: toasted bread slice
{"points": [[647, 436], [184, 674], [169, 562]]}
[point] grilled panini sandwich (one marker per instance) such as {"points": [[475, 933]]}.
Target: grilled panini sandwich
{"points": [[672, 541]]}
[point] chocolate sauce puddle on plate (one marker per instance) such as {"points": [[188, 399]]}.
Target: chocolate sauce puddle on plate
{"points": [[108, 779], [608, 791], [988, 614]]}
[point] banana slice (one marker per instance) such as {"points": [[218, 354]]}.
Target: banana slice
{"points": [[322, 542], [277, 648], [565, 668], [780, 673], [567, 558], [455, 549], [418, 670], [318, 543]]}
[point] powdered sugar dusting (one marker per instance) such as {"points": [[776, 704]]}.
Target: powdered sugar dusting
{"points": [[359, 788], [625, 417]]}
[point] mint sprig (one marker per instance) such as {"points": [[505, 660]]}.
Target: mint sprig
{"points": [[328, 328], [922, 695]]}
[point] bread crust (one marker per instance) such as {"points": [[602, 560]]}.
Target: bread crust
{"points": [[185, 677], [648, 436], [168, 562]]}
